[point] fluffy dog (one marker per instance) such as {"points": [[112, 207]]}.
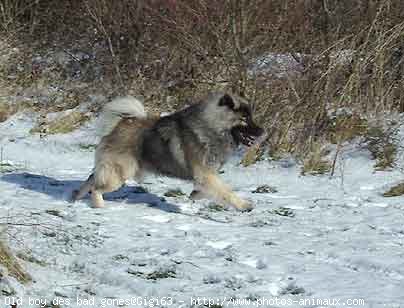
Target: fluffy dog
{"points": [[191, 144]]}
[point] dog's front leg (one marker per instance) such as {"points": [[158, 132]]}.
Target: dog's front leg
{"points": [[217, 189]]}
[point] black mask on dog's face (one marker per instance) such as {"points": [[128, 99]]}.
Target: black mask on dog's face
{"points": [[246, 132]]}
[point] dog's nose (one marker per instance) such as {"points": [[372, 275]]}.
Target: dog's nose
{"points": [[260, 131]]}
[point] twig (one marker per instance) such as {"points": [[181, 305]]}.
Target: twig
{"points": [[334, 162]]}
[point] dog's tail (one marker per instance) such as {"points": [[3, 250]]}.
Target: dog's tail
{"points": [[119, 108]]}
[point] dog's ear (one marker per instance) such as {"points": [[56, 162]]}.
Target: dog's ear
{"points": [[226, 100]]}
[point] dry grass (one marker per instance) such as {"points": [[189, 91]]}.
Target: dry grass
{"points": [[6, 110], [61, 125], [11, 263], [253, 155], [395, 191], [315, 161], [4, 113], [382, 143]]}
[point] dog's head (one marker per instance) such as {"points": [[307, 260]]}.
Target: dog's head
{"points": [[234, 113]]}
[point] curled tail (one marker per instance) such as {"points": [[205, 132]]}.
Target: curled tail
{"points": [[119, 108]]}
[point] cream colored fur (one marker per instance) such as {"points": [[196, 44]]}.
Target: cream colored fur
{"points": [[119, 108]]}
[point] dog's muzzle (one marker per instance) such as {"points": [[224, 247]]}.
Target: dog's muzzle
{"points": [[247, 134]]}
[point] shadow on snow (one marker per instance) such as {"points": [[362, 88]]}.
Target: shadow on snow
{"points": [[62, 189]]}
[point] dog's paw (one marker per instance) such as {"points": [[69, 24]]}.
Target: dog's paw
{"points": [[244, 206], [98, 205]]}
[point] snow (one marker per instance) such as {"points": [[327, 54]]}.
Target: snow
{"points": [[218, 244], [278, 65], [157, 218], [344, 240]]}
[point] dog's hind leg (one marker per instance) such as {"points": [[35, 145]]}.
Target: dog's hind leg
{"points": [[215, 188], [108, 177], [97, 199], [84, 189]]}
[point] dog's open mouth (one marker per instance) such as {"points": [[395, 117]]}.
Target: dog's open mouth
{"points": [[246, 135]]}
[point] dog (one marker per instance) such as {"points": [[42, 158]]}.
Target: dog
{"points": [[190, 144]]}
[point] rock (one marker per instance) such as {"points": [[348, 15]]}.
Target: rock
{"points": [[265, 189], [397, 190], [174, 193]]}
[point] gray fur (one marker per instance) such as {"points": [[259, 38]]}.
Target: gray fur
{"points": [[191, 144]]}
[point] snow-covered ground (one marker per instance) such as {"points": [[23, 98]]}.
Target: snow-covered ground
{"points": [[317, 237]]}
